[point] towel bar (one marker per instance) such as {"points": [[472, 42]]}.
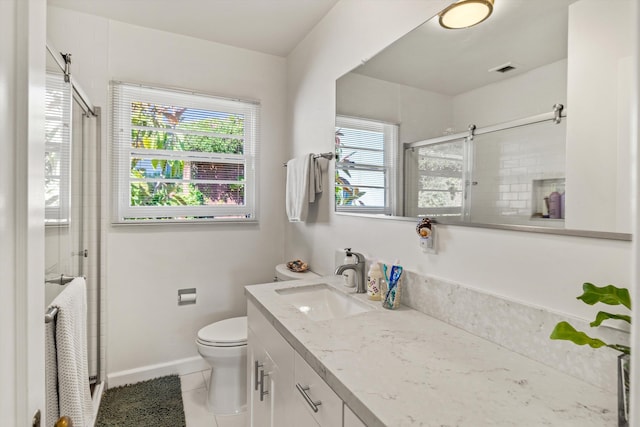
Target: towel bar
{"points": [[327, 156], [62, 280], [52, 312], [50, 315]]}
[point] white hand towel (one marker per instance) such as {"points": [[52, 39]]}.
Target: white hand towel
{"points": [[51, 372], [74, 394], [297, 193], [315, 178]]}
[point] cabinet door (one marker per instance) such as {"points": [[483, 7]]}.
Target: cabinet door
{"points": [[259, 386], [315, 396], [280, 353], [350, 419], [300, 416]]}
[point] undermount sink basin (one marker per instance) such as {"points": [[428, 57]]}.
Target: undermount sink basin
{"points": [[322, 302]]}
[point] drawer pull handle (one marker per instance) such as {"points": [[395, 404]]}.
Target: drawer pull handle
{"points": [[303, 391], [263, 392], [256, 366]]}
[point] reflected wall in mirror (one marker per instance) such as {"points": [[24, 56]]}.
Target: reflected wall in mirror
{"points": [[404, 119]]}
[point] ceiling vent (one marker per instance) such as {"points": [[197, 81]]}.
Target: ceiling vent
{"points": [[503, 68]]}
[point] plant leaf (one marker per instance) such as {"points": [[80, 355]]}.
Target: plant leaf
{"points": [[610, 295], [564, 331], [621, 348], [603, 315]]}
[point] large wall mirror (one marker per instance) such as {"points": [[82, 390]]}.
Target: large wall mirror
{"points": [[522, 122]]}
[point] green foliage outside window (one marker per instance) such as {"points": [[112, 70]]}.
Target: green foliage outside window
{"points": [[193, 135]]}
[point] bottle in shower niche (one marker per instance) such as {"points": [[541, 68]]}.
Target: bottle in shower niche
{"points": [[554, 205], [562, 205]]}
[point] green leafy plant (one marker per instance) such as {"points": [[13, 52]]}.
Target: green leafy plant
{"points": [[154, 128], [592, 294]]}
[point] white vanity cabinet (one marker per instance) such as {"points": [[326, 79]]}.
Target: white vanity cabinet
{"points": [[293, 394], [314, 395], [269, 374], [350, 419], [260, 384]]}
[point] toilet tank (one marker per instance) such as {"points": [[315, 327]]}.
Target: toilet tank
{"points": [[283, 273]]}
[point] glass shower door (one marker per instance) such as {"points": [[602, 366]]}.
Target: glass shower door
{"points": [[71, 224], [63, 205]]}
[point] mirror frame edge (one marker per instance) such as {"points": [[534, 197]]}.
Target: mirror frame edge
{"points": [[592, 234]]}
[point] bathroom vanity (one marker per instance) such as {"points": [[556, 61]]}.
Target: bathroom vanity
{"points": [[283, 389], [318, 355]]}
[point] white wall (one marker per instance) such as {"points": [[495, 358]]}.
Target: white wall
{"points": [[421, 114], [600, 47], [542, 270], [524, 95], [146, 265]]}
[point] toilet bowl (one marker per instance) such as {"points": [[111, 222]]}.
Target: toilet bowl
{"points": [[223, 345]]}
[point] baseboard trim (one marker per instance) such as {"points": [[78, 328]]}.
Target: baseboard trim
{"points": [[143, 373]]}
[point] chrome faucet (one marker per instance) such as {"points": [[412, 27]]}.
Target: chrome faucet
{"points": [[358, 267]]}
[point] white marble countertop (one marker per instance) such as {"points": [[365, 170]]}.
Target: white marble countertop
{"points": [[404, 368]]}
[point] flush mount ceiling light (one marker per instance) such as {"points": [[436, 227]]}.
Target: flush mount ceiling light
{"points": [[465, 13]]}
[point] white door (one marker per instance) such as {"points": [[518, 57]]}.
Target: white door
{"points": [[22, 78]]}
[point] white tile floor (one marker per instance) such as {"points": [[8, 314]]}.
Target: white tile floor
{"points": [[194, 397]]}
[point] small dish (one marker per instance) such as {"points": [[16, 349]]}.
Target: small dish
{"points": [[298, 266]]}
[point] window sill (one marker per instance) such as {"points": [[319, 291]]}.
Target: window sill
{"points": [[184, 222]]}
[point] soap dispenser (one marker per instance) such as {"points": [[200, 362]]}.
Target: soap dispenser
{"points": [[349, 275]]}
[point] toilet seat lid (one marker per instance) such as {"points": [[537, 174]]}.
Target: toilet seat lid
{"points": [[226, 332]]}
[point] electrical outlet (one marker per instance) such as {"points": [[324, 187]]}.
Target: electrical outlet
{"points": [[427, 244]]}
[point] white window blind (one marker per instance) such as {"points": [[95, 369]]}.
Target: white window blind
{"points": [[180, 157], [365, 165], [57, 150]]}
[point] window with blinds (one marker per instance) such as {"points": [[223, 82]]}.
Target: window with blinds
{"points": [[180, 157], [365, 171], [57, 161]]}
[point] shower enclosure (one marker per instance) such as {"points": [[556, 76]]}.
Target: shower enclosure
{"points": [[499, 174], [72, 198]]}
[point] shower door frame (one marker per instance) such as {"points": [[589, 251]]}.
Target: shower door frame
{"points": [[88, 111]]}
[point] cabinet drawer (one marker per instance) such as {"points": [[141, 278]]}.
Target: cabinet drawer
{"points": [[328, 411]]}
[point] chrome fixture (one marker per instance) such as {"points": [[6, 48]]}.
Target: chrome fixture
{"points": [[358, 267], [328, 156], [60, 280], [465, 14]]}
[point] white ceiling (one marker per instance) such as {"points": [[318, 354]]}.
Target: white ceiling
{"points": [[528, 33], [270, 26]]}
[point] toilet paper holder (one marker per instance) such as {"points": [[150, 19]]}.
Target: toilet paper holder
{"points": [[186, 296]]}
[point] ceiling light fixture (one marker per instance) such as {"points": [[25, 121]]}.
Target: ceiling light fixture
{"points": [[465, 13]]}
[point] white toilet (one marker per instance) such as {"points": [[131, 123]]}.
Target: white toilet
{"points": [[223, 345]]}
